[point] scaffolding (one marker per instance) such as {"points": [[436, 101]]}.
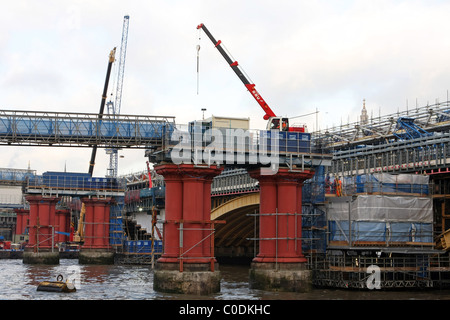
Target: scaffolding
{"points": [[384, 129], [184, 227], [356, 271], [403, 156]]}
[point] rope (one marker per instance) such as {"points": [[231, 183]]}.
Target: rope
{"points": [[198, 59]]}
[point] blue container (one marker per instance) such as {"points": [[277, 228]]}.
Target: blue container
{"points": [[145, 193], [143, 246], [128, 246], [157, 245], [288, 141]]}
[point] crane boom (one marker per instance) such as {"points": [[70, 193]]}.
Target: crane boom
{"points": [[235, 66], [112, 55]]}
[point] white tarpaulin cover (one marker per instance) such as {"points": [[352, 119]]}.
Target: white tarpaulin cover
{"points": [[401, 178], [381, 218], [383, 208]]}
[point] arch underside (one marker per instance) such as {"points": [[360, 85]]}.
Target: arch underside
{"points": [[232, 239]]}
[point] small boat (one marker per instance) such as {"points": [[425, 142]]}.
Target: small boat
{"points": [[56, 286]]}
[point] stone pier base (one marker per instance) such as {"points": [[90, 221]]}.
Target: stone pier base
{"points": [[30, 257], [289, 277], [92, 256], [191, 281]]}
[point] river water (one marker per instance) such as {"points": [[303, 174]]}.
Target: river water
{"points": [[18, 281]]}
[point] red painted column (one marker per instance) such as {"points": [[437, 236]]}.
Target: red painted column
{"points": [[21, 220], [192, 211], [207, 216], [62, 218], [42, 219], [33, 217], [267, 219], [186, 187], [45, 220], [98, 227], [88, 223], [19, 214], [288, 217], [299, 219], [58, 237], [280, 216], [106, 219], [173, 212], [101, 239], [96, 223]]}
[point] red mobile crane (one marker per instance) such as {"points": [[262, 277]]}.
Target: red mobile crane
{"points": [[278, 123]]}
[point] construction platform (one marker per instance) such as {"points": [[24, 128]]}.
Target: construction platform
{"points": [[429, 269]]}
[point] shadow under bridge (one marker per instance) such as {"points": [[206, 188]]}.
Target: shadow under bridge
{"points": [[232, 239]]}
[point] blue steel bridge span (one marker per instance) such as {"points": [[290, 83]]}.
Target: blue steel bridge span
{"points": [[68, 129]]}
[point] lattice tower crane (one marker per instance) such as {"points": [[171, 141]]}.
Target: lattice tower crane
{"points": [[114, 107]]}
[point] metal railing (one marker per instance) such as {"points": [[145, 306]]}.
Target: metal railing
{"points": [[203, 141], [82, 129], [232, 182], [74, 182]]}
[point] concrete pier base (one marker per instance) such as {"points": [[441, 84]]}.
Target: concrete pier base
{"points": [[193, 280], [30, 257], [287, 277], [93, 256]]}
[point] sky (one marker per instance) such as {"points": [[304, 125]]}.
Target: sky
{"points": [[303, 57]]}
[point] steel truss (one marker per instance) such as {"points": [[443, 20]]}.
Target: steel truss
{"points": [[383, 129], [425, 153], [34, 128]]}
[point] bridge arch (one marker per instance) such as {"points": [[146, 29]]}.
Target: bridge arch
{"points": [[231, 239]]}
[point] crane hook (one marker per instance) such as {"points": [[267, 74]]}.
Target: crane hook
{"points": [[198, 57]]}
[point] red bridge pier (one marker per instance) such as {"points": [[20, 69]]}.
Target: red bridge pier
{"points": [[41, 230], [63, 222], [280, 264], [22, 216], [96, 248], [188, 264]]}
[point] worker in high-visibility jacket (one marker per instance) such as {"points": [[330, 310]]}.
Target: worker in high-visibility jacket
{"points": [[338, 187]]}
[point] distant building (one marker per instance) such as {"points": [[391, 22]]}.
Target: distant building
{"points": [[7, 223], [364, 118]]}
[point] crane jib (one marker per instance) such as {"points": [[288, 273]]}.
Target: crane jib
{"points": [[260, 100], [239, 73]]}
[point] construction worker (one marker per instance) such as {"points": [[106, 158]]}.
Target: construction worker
{"points": [[283, 125], [338, 187], [328, 184]]}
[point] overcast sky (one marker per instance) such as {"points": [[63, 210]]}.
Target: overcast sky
{"points": [[302, 56]]}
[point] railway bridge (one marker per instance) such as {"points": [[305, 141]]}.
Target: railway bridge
{"points": [[237, 192], [188, 159]]}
